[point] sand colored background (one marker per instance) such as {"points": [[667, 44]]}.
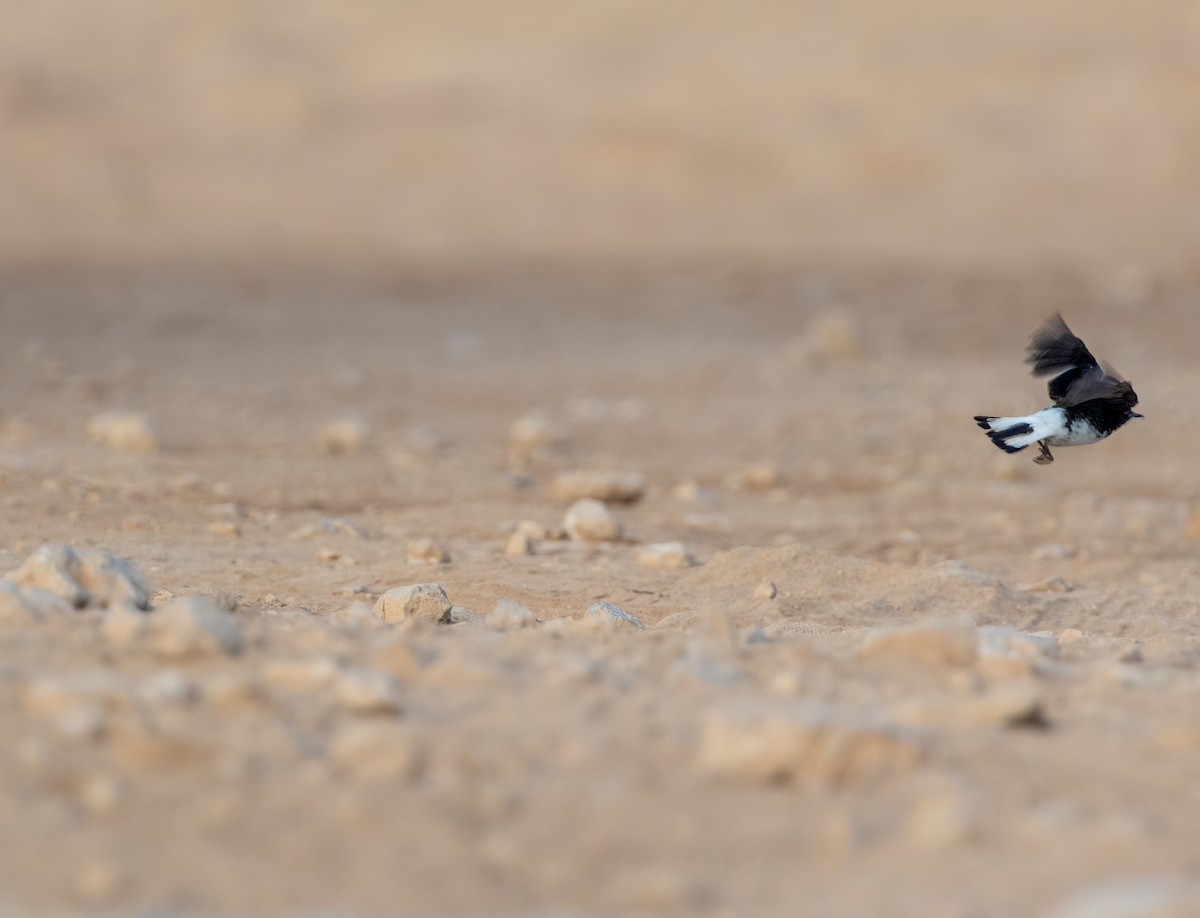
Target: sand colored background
{"points": [[924, 130], [367, 278]]}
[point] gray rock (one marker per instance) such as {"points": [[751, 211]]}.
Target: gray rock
{"points": [[607, 614], [416, 600], [83, 577]]}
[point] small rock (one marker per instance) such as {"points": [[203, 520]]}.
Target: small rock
{"points": [[758, 476], [1049, 585], [607, 486], [460, 615], [665, 556], [345, 436], [427, 551], [590, 520], [193, 626], [518, 545], [327, 554], [368, 691], [510, 614], [803, 743], [124, 431], [942, 642], [416, 600], [83, 577], [766, 590], [607, 615]]}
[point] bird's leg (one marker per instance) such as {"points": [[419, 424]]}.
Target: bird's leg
{"points": [[1044, 457]]}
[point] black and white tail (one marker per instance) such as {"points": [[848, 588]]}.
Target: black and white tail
{"points": [[1014, 434]]}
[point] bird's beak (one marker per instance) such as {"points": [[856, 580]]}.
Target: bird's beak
{"points": [[1134, 414]]}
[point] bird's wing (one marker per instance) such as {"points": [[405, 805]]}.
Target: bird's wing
{"points": [[1090, 384], [1055, 348], [1079, 377]]}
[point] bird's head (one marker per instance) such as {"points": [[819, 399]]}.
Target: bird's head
{"points": [[1130, 398]]}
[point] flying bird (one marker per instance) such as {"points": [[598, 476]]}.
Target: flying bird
{"points": [[1091, 400]]}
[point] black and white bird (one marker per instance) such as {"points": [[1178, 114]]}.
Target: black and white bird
{"points": [[1091, 400]]}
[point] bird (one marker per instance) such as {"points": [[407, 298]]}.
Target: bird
{"points": [[1090, 399]]}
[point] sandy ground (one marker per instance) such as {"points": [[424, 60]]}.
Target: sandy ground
{"points": [[367, 279], [743, 754]]}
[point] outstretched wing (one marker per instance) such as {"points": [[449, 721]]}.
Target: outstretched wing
{"points": [[1079, 376], [1055, 348]]}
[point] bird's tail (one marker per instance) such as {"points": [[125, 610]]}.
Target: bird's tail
{"points": [[1013, 434]]}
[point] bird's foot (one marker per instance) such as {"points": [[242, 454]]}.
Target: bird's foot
{"points": [[1044, 457]]}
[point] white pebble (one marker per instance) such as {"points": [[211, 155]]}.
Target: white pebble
{"points": [[591, 521]]}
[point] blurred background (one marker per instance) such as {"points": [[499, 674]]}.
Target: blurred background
{"points": [[381, 132]]}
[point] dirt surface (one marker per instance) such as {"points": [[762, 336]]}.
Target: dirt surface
{"points": [[686, 768], [302, 305]]}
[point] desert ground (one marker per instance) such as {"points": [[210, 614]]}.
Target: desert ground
{"points": [[302, 308]]}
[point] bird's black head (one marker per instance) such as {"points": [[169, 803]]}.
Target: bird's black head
{"points": [[1130, 398]]}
